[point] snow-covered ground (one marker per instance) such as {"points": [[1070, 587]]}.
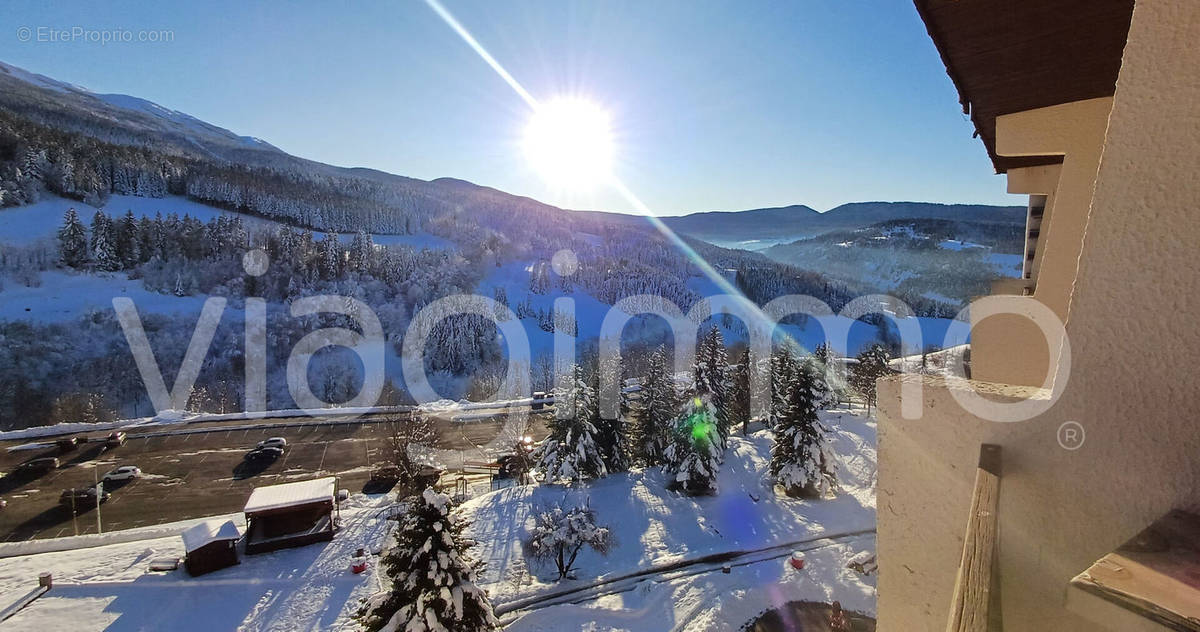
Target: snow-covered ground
{"points": [[654, 528], [655, 578], [946, 362], [111, 588], [710, 600], [64, 297]]}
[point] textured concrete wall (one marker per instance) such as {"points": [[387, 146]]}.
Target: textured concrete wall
{"points": [[1135, 383], [1004, 348]]}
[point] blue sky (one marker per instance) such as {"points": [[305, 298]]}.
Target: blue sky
{"points": [[716, 105]]}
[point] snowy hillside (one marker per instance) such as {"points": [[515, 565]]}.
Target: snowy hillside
{"points": [[25, 224], [946, 261]]}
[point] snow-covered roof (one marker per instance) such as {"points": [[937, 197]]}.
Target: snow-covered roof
{"points": [[208, 532], [290, 494]]}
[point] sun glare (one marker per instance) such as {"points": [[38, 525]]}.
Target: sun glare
{"points": [[569, 142]]}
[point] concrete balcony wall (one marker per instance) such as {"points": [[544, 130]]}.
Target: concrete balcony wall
{"points": [[1134, 385]]}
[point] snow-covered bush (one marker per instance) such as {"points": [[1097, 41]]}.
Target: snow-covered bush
{"points": [[433, 582], [559, 535]]}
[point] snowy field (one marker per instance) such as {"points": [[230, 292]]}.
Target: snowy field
{"points": [[110, 587], [65, 296]]}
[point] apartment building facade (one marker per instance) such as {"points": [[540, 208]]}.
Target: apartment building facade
{"points": [[1092, 109]]}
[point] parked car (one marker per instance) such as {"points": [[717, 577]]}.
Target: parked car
{"points": [[387, 474], [264, 453], [123, 473], [44, 464], [67, 444], [115, 440], [82, 497], [273, 442]]}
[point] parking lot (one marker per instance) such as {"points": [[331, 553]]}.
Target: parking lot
{"points": [[201, 471]]}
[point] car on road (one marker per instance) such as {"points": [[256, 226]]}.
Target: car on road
{"points": [[123, 473], [264, 453], [115, 440], [273, 442], [67, 444], [82, 497], [42, 465]]}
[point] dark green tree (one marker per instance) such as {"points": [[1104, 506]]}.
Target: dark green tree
{"points": [[72, 241], [433, 579]]}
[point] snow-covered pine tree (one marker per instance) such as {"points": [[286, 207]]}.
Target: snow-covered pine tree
{"points": [[711, 379], [738, 406], [500, 295], [828, 377], [801, 461], [433, 581], [128, 247], [571, 453], [659, 410], [331, 257], [559, 535], [146, 246], [783, 366], [104, 251], [362, 252], [694, 456], [72, 241], [612, 434], [872, 365]]}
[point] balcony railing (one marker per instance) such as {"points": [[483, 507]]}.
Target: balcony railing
{"points": [[975, 607]]}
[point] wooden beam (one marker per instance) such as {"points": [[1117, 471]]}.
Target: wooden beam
{"points": [[972, 608]]}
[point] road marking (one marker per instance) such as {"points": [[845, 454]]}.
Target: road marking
{"points": [[322, 465]]}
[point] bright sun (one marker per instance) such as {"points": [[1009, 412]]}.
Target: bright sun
{"points": [[569, 142]]}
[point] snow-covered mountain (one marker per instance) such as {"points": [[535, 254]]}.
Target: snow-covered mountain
{"points": [[759, 229], [945, 260], [122, 109]]}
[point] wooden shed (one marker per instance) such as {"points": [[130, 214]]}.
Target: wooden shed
{"points": [[291, 514], [209, 546]]}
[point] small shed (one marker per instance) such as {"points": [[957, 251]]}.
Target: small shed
{"points": [[291, 514], [209, 546]]}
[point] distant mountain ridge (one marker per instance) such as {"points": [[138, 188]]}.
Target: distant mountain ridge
{"points": [[758, 229], [184, 155]]}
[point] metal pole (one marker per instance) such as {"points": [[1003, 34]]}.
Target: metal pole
{"points": [[99, 492]]}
